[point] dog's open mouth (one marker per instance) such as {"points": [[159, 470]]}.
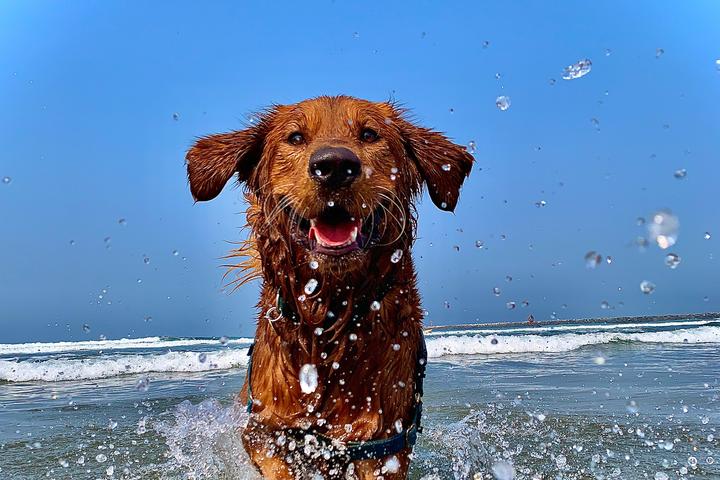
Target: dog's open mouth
{"points": [[336, 232]]}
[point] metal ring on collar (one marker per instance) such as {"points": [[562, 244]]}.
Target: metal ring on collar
{"points": [[268, 315]]}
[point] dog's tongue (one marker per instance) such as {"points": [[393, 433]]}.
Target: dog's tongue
{"points": [[333, 234]]}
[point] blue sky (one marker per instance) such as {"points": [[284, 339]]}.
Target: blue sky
{"points": [[87, 96]]}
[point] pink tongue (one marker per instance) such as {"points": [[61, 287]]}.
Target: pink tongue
{"points": [[333, 235]]}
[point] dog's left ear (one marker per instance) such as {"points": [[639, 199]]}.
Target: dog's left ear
{"points": [[442, 164], [214, 159]]}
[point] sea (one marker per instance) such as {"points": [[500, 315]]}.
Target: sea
{"points": [[630, 399]]}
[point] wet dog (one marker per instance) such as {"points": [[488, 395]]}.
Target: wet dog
{"points": [[334, 385]]}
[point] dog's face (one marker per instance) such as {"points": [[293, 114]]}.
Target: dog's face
{"points": [[334, 177]]}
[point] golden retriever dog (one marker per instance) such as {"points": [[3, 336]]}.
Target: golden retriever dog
{"points": [[334, 383]]}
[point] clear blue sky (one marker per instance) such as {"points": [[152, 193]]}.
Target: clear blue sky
{"points": [[87, 96]]}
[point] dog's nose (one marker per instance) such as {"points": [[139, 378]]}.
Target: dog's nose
{"points": [[334, 167]]}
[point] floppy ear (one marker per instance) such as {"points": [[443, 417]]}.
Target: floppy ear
{"points": [[442, 164], [213, 160]]}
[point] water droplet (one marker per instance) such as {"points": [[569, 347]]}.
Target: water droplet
{"points": [[6, 180], [508, 278], [541, 203], [224, 340], [64, 463], [148, 319], [375, 306], [330, 203], [356, 34], [510, 305], [396, 346], [640, 221], [680, 173], [122, 222], [659, 53], [632, 407], [143, 384], [661, 476], [392, 465], [110, 471], [446, 167], [176, 116], [101, 458], [443, 205], [314, 264], [609, 259], [608, 52], [352, 337], [308, 378], [86, 328], [485, 43], [503, 470], [496, 291], [552, 81], [663, 228], [604, 305], [592, 259], [561, 461], [398, 426], [146, 260], [672, 260], [396, 256], [310, 286], [479, 244], [502, 102], [202, 357], [647, 287], [577, 70], [707, 236], [471, 147]]}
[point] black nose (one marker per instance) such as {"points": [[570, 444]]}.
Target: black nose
{"points": [[334, 167]]}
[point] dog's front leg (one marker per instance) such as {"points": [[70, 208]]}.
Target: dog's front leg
{"points": [[394, 467], [272, 468]]}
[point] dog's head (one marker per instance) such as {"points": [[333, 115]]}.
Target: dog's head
{"points": [[332, 179]]}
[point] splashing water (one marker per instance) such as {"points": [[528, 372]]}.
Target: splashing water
{"points": [[577, 70], [308, 378], [664, 228], [502, 102], [310, 286], [204, 441]]}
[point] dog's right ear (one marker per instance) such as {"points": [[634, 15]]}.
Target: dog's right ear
{"points": [[213, 160]]}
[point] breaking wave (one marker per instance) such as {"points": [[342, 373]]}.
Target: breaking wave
{"points": [[196, 355], [106, 367]]}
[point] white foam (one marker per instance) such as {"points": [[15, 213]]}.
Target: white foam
{"points": [[483, 344], [109, 345], [106, 367], [442, 331]]}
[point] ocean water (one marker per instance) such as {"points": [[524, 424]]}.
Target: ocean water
{"points": [[573, 401]]}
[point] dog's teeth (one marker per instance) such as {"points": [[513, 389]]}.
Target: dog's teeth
{"points": [[353, 234]]}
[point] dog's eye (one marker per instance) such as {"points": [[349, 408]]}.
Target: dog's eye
{"points": [[296, 138], [368, 135]]}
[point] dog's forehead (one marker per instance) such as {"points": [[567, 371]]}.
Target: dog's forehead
{"points": [[332, 113]]}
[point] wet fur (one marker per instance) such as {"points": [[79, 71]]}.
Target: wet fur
{"points": [[373, 385]]}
